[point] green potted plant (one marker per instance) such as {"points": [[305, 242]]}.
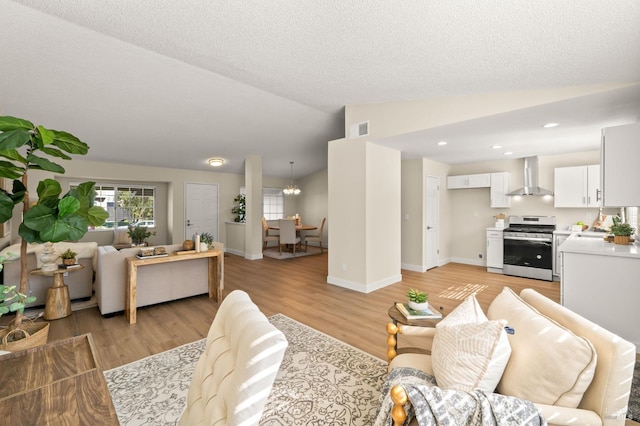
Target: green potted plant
{"points": [[622, 232], [207, 239], [418, 300], [240, 209], [139, 234], [55, 216], [68, 257]]}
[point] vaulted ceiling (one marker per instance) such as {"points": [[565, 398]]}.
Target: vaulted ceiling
{"points": [[174, 82]]}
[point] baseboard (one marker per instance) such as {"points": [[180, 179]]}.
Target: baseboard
{"points": [[468, 261], [364, 288]]}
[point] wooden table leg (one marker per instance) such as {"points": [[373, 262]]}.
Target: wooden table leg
{"points": [[58, 303], [130, 302], [215, 287]]}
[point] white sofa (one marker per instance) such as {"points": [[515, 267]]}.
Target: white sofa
{"points": [[553, 355], [155, 284], [80, 282]]}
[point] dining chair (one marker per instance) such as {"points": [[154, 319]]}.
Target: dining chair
{"points": [[288, 233], [265, 235], [315, 237]]}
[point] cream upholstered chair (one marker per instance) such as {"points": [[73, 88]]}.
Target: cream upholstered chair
{"points": [[266, 238], [235, 374], [541, 342], [315, 237], [288, 233]]}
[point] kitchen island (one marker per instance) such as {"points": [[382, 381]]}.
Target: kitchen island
{"points": [[601, 281]]}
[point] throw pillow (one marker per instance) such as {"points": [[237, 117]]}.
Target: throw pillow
{"points": [[469, 351], [121, 236], [549, 364]]}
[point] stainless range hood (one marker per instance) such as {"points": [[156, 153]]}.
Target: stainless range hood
{"points": [[531, 179]]}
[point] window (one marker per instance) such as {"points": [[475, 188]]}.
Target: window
{"points": [[126, 204], [272, 203]]}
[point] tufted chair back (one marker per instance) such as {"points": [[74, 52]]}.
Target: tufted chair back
{"points": [[234, 376]]}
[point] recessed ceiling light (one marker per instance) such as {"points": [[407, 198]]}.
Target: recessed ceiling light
{"points": [[215, 162], [550, 125], [442, 143], [496, 146], [508, 153]]}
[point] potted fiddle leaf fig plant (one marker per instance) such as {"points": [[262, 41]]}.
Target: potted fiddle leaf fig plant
{"points": [[55, 216]]}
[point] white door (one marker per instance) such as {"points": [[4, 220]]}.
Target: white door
{"points": [[201, 210], [432, 221]]}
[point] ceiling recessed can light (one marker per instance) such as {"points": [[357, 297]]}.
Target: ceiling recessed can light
{"points": [[550, 125], [215, 162], [442, 143], [496, 146], [508, 153]]}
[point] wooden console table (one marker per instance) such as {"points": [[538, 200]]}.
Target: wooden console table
{"points": [[215, 273], [58, 383]]}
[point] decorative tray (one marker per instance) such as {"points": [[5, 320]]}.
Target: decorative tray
{"points": [[151, 256]]}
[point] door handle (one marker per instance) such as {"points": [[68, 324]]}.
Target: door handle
{"points": [[188, 222], [429, 227]]}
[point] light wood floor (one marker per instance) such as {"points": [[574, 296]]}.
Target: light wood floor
{"points": [[296, 288]]}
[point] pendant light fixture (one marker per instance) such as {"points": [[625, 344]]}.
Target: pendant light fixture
{"points": [[291, 188]]}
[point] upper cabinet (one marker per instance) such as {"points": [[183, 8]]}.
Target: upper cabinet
{"points": [[481, 180], [577, 186], [499, 190], [620, 151]]}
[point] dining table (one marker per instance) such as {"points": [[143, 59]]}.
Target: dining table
{"points": [[298, 227]]}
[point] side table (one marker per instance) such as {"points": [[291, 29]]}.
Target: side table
{"points": [[393, 329], [58, 303]]}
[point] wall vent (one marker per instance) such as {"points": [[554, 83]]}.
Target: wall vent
{"points": [[359, 130]]}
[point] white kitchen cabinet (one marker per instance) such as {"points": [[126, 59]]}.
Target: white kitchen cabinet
{"points": [[557, 258], [495, 250], [577, 186], [480, 180], [619, 154], [499, 189]]}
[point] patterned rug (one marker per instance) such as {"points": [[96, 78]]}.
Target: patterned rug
{"points": [[321, 381], [634, 399], [274, 253]]}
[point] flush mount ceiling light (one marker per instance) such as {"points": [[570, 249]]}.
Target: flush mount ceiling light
{"points": [[215, 162], [550, 125], [291, 188]]}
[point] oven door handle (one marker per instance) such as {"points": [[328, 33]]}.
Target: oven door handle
{"points": [[546, 240]]}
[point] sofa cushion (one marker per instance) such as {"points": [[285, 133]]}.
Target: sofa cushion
{"points": [[469, 351], [549, 364]]}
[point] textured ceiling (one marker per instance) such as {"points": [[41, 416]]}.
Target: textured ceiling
{"points": [[171, 83]]}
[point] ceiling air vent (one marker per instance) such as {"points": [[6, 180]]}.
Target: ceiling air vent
{"points": [[359, 130]]}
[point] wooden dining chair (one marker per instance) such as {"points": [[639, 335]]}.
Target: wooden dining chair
{"points": [[266, 238], [315, 237], [288, 234]]}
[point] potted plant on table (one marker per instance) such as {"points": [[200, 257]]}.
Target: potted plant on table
{"points": [[241, 209], [139, 235], [68, 257], [207, 239], [622, 232], [418, 300], [55, 217]]}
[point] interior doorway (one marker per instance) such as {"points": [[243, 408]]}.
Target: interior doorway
{"points": [[432, 222], [201, 210]]}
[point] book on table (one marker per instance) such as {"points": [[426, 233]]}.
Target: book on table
{"points": [[412, 314]]}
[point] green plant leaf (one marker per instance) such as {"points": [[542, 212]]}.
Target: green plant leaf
{"points": [[9, 170], [39, 217], [69, 143], [36, 162], [96, 215], [28, 234], [18, 191], [46, 135], [68, 206], [6, 207], [49, 188], [4, 310], [12, 139], [68, 228], [8, 122], [55, 153], [13, 154]]}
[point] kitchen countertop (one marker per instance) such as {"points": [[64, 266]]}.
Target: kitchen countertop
{"points": [[586, 233], [597, 246]]}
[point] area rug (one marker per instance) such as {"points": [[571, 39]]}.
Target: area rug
{"points": [[274, 253], [634, 399], [321, 381]]}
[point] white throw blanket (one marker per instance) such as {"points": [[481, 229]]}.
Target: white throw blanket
{"points": [[434, 406], [84, 250]]}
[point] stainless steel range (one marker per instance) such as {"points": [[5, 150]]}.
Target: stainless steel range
{"points": [[528, 247]]}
